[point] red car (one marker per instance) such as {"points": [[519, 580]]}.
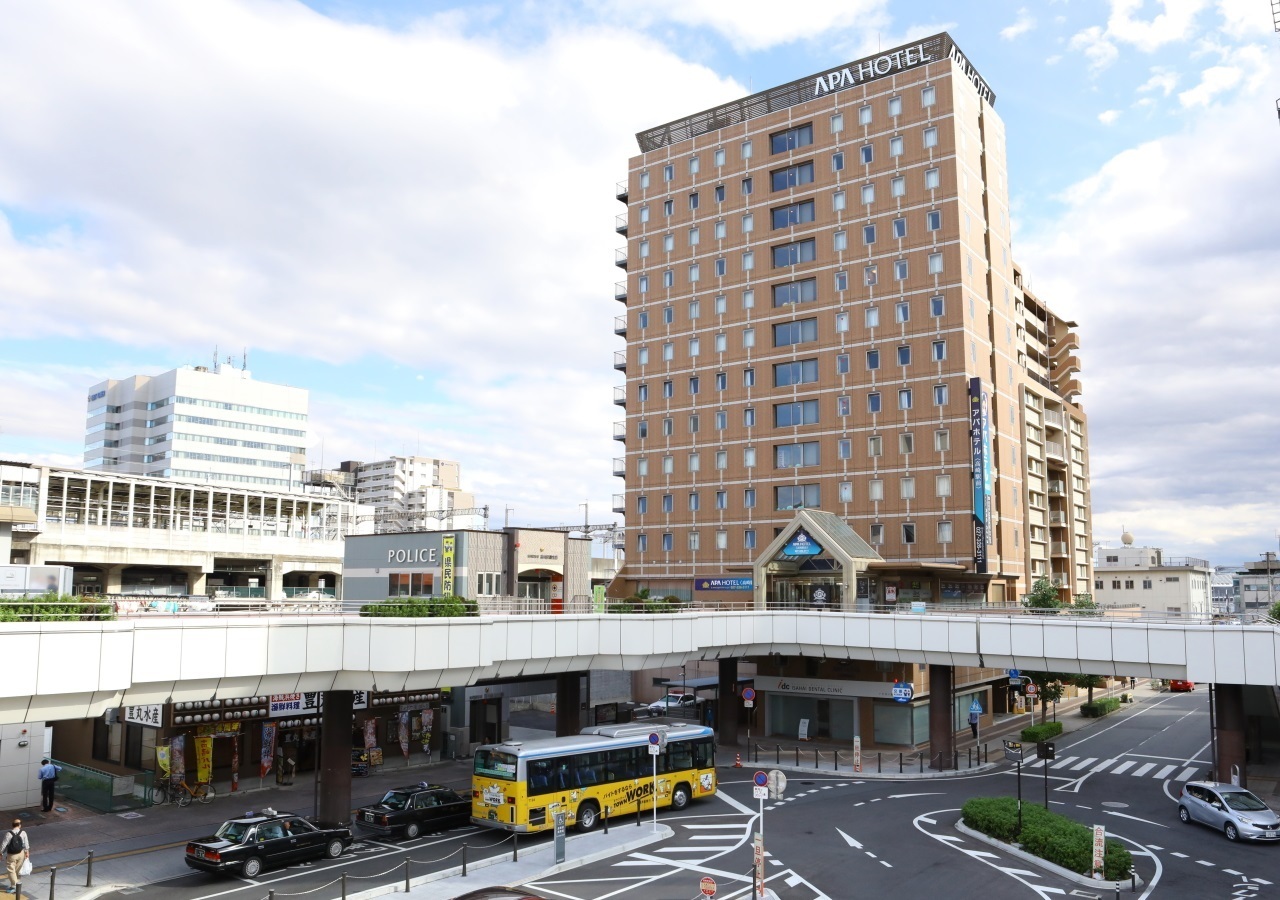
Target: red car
{"points": [[1176, 685]]}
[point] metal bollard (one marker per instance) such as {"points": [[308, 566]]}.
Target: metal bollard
{"points": [[797, 749], [835, 762], [921, 758], [777, 754], [899, 762], [879, 753], [955, 759], [515, 847], [344, 886], [464, 865], [53, 883], [1133, 878], [606, 820], [406, 868], [88, 875], [968, 758], [271, 894]]}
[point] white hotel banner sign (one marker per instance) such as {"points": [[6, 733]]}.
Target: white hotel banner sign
{"points": [[824, 687]]}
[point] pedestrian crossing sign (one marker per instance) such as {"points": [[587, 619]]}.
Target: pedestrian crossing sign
{"points": [[975, 706]]}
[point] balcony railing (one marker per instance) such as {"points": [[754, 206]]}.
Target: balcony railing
{"points": [[619, 431], [620, 326], [619, 466], [1056, 488], [620, 291], [620, 258], [1058, 548], [623, 192], [620, 360], [620, 224], [1053, 419], [620, 395], [1057, 518], [1055, 449], [619, 503]]}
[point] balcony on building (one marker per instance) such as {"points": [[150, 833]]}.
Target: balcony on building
{"points": [[620, 257], [1056, 487], [1052, 449], [1057, 517], [1058, 548], [620, 326], [620, 291], [620, 395], [620, 224], [1066, 366], [619, 467], [620, 503], [620, 360], [620, 431], [623, 192], [1053, 419], [1070, 388]]}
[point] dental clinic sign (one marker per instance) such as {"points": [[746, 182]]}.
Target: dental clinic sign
{"points": [[902, 59]]}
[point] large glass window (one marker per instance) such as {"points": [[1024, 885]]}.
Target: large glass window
{"points": [[802, 412], [793, 214], [799, 332], [805, 291], [796, 496], [803, 371], [791, 176], [791, 456], [795, 253], [799, 136]]}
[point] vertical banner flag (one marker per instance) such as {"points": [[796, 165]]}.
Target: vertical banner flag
{"points": [[204, 760], [370, 733], [428, 719], [235, 762], [178, 758], [162, 761], [446, 565], [404, 734], [268, 749]]}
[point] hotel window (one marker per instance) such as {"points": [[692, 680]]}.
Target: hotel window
{"points": [[843, 406], [644, 284], [721, 305], [842, 364], [642, 320], [945, 533], [748, 185], [644, 180], [898, 186], [695, 462], [875, 489], [695, 346], [930, 138], [695, 384], [842, 283], [749, 498], [668, 389], [642, 504], [866, 154], [941, 394], [908, 533], [804, 291], [873, 402], [722, 459], [904, 398], [722, 381], [668, 426], [722, 420], [642, 356], [642, 466], [846, 492], [799, 136], [668, 242], [748, 377], [642, 393], [906, 488], [902, 312], [936, 306], [842, 319], [928, 97], [720, 230], [837, 201], [873, 359], [939, 351], [794, 253], [837, 123], [801, 331], [721, 268], [642, 543], [748, 338], [719, 158], [942, 485], [795, 456], [804, 371], [749, 457], [802, 412], [668, 503], [748, 223], [669, 278], [719, 193], [899, 228], [667, 541], [875, 445], [668, 172], [694, 166], [749, 539], [796, 496], [792, 214], [935, 263], [868, 234], [895, 106], [668, 351], [870, 275], [644, 249], [746, 149], [868, 194], [748, 261], [695, 236], [900, 270], [864, 115], [695, 502], [749, 417], [722, 343], [844, 449], [839, 241], [693, 200], [748, 299], [668, 207], [837, 162], [933, 220], [906, 443], [644, 213], [931, 179], [642, 429], [942, 440], [895, 146], [871, 316], [722, 540], [875, 535], [722, 499], [791, 176]]}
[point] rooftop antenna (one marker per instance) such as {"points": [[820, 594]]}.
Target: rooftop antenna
{"points": [[244, 360], [215, 356]]}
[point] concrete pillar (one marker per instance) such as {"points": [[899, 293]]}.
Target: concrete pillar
{"points": [[275, 582], [568, 703], [112, 577], [335, 759], [1229, 725], [197, 581], [728, 703], [942, 735]]}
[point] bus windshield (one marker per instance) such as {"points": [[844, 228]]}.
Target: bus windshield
{"points": [[495, 764]]}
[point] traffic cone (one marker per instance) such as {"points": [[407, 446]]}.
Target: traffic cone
{"points": [[737, 760]]}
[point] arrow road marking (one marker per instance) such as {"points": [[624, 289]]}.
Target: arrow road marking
{"points": [[848, 840]]}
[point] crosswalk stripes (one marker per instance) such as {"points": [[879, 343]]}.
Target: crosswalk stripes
{"points": [[1116, 766]]}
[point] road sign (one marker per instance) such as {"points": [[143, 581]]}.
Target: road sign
{"points": [[657, 739], [1013, 751], [857, 754], [1031, 690], [777, 782], [759, 793], [758, 851], [975, 706], [903, 691], [748, 703], [1014, 673], [761, 779], [748, 694], [1099, 846], [707, 886], [559, 837], [654, 749]]}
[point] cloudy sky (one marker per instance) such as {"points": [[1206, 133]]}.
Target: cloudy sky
{"points": [[407, 207]]}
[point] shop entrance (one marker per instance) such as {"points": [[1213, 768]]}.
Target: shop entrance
{"points": [[486, 721], [802, 591]]}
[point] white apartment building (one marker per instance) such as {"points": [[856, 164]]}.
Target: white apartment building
{"points": [[1144, 577], [202, 425], [413, 493]]}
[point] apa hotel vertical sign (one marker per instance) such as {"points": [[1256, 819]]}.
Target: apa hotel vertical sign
{"points": [[982, 471]]}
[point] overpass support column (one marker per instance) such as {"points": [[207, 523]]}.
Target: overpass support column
{"points": [[112, 579], [728, 704], [1229, 728], [568, 703], [335, 758], [942, 735]]}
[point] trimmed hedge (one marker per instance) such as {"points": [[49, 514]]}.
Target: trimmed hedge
{"points": [[52, 607], [639, 604], [1036, 733], [421, 607], [1054, 838], [1100, 707]]}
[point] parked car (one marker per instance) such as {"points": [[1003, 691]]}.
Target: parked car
{"points": [[1234, 811], [672, 703], [1176, 685], [266, 840], [414, 809]]}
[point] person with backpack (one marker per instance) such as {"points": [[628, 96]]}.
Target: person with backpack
{"points": [[16, 850]]}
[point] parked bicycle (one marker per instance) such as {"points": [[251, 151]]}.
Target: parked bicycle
{"points": [[181, 793]]}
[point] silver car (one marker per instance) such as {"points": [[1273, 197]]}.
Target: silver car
{"points": [[1234, 811]]}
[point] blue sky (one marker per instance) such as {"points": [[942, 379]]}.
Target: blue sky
{"points": [[407, 208]]}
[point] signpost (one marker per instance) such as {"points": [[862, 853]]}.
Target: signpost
{"points": [[708, 886], [560, 817], [758, 850], [1013, 751], [657, 741], [857, 753], [749, 701], [1099, 849], [903, 691]]}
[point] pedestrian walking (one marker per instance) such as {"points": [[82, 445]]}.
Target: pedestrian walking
{"points": [[16, 850], [48, 775], [973, 724]]}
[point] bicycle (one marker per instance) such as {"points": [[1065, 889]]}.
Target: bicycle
{"points": [[181, 793]]}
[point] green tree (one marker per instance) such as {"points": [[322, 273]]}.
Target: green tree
{"points": [[1049, 689], [1043, 595], [421, 607], [1275, 611], [1085, 605], [1088, 682]]}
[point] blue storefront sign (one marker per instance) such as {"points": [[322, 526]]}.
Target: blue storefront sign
{"points": [[802, 545], [903, 691], [723, 584]]}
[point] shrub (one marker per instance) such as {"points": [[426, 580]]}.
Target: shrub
{"points": [[54, 608], [643, 603], [421, 607], [1036, 733], [1052, 837], [1099, 708]]}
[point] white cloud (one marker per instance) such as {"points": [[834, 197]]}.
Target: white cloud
{"points": [[1162, 79], [1025, 22], [1244, 18], [1106, 117], [1213, 81], [1093, 43], [1177, 23]]}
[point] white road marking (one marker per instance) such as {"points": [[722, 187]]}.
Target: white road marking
{"points": [[1136, 819], [1102, 765], [1124, 767], [1064, 762], [1187, 775], [1205, 862], [1164, 773], [1084, 764], [1143, 770], [848, 840]]}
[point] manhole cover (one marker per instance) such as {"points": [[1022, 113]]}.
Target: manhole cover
{"points": [[130, 815], [1115, 804]]}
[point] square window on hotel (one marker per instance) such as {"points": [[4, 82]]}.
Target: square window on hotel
{"points": [[721, 231], [668, 173], [942, 440], [644, 180], [931, 179], [668, 314], [837, 123], [846, 492], [722, 305], [642, 465], [746, 149], [939, 351], [644, 213], [933, 220], [695, 309], [873, 359], [749, 498], [908, 533], [942, 485], [900, 270], [642, 504], [668, 390], [668, 242], [866, 154], [748, 261], [693, 200], [843, 406], [873, 402], [837, 201], [898, 186], [842, 282], [868, 193], [721, 268], [864, 115], [668, 351], [668, 503], [868, 234], [842, 364], [668, 541], [694, 167], [906, 488], [695, 236], [904, 356], [837, 162], [875, 535], [695, 462], [944, 533], [935, 263], [902, 312], [906, 443], [694, 541], [722, 420], [839, 241], [719, 193], [941, 394], [722, 459], [668, 207], [722, 343], [749, 539], [748, 223], [642, 392], [749, 457], [695, 346], [643, 249], [668, 427], [719, 157], [895, 146], [722, 540], [870, 275], [871, 317], [642, 356], [791, 139], [748, 185], [875, 489], [844, 449], [899, 228], [875, 447], [842, 320], [928, 96], [748, 377], [722, 381], [695, 384], [895, 106], [642, 429], [642, 543], [748, 338], [904, 398], [930, 137], [722, 499]]}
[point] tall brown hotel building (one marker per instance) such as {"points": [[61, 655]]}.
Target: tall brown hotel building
{"points": [[823, 311]]}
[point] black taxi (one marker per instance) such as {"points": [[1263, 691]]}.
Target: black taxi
{"points": [[267, 839], [414, 809]]}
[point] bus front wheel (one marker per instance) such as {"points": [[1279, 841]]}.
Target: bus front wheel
{"points": [[680, 796], [588, 817]]}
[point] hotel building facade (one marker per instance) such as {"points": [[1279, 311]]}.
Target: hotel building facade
{"points": [[823, 312]]}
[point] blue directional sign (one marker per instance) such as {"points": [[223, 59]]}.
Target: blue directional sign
{"points": [[1014, 673], [903, 691]]}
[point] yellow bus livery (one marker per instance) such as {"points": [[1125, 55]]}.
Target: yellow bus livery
{"points": [[520, 785]]}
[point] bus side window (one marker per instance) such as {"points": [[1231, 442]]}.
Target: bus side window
{"points": [[680, 756], [540, 776], [702, 753], [590, 768], [622, 763]]}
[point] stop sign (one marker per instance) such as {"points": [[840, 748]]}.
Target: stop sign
{"points": [[707, 886]]}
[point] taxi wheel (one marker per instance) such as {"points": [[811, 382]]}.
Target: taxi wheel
{"points": [[252, 867], [1232, 833], [412, 830], [334, 849]]}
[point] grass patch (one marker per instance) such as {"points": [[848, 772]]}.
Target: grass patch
{"points": [[1053, 838]]}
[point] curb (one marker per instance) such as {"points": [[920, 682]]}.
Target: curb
{"points": [[1056, 869], [878, 776]]}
